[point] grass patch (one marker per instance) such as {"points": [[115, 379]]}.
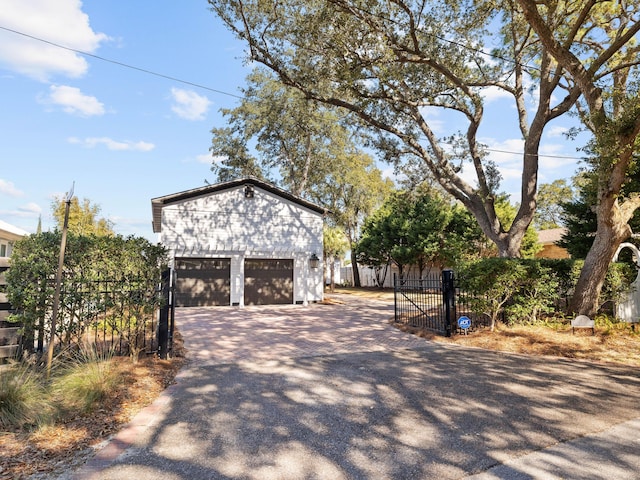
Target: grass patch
{"points": [[612, 342], [78, 383], [89, 397], [88, 378], [366, 292], [23, 398]]}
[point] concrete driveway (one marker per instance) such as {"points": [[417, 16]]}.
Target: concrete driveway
{"points": [[334, 392]]}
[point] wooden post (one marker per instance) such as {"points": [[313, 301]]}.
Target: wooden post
{"points": [[56, 295]]}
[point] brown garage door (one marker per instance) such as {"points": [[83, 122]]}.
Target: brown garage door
{"points": [[268, 282], [202, 282]]}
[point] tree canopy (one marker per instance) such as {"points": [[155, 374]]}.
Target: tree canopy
{"points": [[596, 49], [418, 229], [579, 213], [83, 217], [551, 197], [300, 140], [393, 63]]}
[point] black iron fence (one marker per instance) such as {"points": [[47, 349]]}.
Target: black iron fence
{"points": [[435, 303], [128, 315]]}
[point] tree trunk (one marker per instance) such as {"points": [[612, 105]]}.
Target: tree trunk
{"points": [[333, 274], [354, 269], [612, 230]]}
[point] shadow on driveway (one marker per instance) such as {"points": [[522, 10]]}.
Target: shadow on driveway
{"points": [[433, 411]]}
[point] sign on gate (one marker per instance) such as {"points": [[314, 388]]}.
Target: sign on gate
{"points": [[464, 323]]}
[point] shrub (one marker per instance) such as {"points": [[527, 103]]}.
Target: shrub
{"points": [[527, 289], [536, 293], [100, 274], [492, 282]]}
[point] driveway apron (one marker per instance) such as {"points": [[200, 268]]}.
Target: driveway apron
{"points": [[335, 392]]}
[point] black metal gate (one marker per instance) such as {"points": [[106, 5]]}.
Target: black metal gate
{"points": [[433, 303], [166, 321], [422, 303]]}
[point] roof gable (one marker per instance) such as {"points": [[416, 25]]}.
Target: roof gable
{"points": [[11, 232], [159, 202], [551, 236]]}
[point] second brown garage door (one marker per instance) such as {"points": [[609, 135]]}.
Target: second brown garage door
{"points": [[268, 282], [203, 282]]}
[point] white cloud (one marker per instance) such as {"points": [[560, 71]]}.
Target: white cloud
{"points": [[557, 131], [554, 158], [490, 94], [127, 145], [30, 208], [9, 189], [59, 21], [27, 210], [74, 102], [189, 105], [207, 159]]}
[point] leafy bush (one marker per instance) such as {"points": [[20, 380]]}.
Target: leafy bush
{"points": [[538, 289], [492, 282], [526, 290], [101, 274]]}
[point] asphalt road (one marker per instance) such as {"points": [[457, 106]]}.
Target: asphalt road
{"points": [[307, 395]]}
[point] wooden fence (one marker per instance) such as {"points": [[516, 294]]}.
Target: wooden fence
{"points": [[9, 333]]}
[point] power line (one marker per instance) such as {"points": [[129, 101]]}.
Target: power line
{"points": [[565, 157], [204, 87], [121, 64]]}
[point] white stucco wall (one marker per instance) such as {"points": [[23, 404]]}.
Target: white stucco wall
{"points": [[226, 224]]}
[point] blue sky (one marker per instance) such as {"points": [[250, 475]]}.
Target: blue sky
{"points": [[125, 136]]}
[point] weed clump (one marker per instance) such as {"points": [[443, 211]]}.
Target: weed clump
{"points": [[79, 384]]}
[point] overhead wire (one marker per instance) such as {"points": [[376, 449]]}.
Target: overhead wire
{"points": [[121, 64], [221, 92]]}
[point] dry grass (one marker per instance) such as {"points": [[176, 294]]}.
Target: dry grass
{"points": [[612, 343], [70, 441], [367, 292], [617, 343]]}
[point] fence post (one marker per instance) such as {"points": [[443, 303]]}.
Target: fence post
{"points": [[172, 308], [449, 300], [163, 323], [395, 298]]}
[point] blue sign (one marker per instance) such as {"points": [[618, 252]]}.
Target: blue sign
{"points": [[464, 322]]}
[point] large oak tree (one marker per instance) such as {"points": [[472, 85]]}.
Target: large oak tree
{"points": [[390, 63], [595, 43]]}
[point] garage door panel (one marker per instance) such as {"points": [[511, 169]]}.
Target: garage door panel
{"points": [[268, 282], [203, 282]]}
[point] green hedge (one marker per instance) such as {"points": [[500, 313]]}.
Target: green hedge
{"points": [[527, 289], [89, 261]]}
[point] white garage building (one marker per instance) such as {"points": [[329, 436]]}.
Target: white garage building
{"points": [[243, 242]]}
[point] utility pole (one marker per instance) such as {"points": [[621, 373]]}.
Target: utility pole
{"points": [[56, 295]]}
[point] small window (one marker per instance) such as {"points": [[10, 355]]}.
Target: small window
{"points": [[3, 250]]}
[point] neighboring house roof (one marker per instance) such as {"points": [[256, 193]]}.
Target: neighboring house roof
{"points": [[11, 232], [551, 236], [159, 202]]}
